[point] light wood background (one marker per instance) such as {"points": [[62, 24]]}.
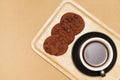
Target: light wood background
{"points": [[20, 20]]}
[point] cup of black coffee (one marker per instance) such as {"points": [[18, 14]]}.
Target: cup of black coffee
{"points": [[96, 54]]}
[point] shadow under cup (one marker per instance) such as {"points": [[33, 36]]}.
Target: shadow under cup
{"points": [[94, 54]]}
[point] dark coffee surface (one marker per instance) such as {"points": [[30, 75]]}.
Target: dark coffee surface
{"points": [[95, 54]]}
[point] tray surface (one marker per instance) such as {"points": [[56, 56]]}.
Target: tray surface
{"points": [[64, 62]]}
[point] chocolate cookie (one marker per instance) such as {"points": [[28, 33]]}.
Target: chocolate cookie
{"points": [[57, 29], [63, 34], [74, 21], [56, 45]]}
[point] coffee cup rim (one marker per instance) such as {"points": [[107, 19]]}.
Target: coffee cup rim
{"points": [[110, 57]]}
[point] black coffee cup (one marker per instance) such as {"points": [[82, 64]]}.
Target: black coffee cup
{"points": [[94, 54]]}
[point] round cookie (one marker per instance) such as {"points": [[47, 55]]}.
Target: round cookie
{"points": [[74, 21], [57, 29], [56, 45], [66, 26]]}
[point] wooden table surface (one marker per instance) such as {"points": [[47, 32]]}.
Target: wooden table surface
{"points": [[20, 20]]}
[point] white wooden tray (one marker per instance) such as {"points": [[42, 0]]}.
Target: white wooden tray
{"points": [[64, 63]]}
